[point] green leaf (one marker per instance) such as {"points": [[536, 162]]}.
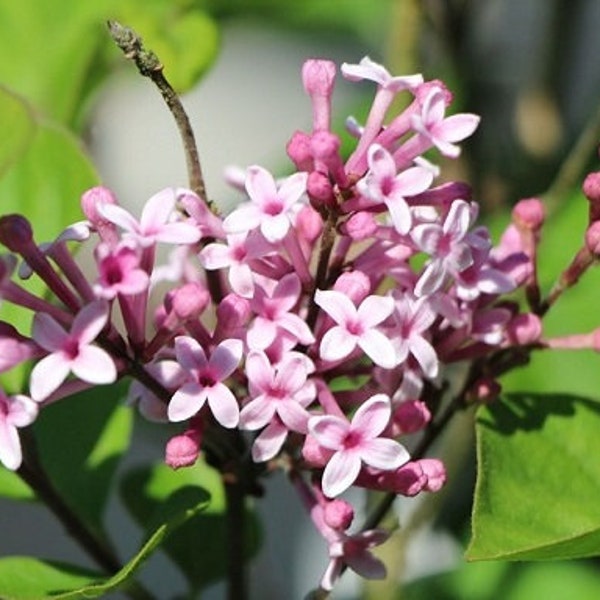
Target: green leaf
{"points": [[24, 578], [145, 489], [17, 125], [81, 440], [538, 479], [13, 487], [27, 578]]}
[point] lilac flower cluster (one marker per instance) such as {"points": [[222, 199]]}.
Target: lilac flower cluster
{"points": [[318, 315]]}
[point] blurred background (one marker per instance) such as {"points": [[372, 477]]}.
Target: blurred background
{"points": [[530, 68]]}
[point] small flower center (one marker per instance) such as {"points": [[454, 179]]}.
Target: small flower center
{"points": [[354, 327], [273, 207], [71, 348], [352, 439], [207, 380]]}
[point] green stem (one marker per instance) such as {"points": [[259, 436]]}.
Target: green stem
{"points": [[236, 577]]}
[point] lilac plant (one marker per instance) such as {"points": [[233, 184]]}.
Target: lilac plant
{"points": [[315, 323]]}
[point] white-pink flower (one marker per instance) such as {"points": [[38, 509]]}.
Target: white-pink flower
{"points": [[368, 69], [119, 272], [71, 352], [355, 443], [205, 381], [270, 208], [15, 412], [443, 131], [383, 184], [356, 326], [155, 224]]}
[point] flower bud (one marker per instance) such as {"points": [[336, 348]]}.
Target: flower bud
{"points": [[298, 149], [318, 77], [338, 514], [15, 233], [354, 284], [360, 226], [435, 472], [411, 416], [183, 450], [524, 329], [592, 238], [591, 189], [529, 214]]}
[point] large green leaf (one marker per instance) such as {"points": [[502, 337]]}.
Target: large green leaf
{"points": [[538, 479], [25, 578], [145, 489], [18, 127], [81, 440], [13, 487]]}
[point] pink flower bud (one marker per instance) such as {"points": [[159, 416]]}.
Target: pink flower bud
{"points": [[529, 214], [309, 224], [592, 238], [90, 200], [596, 340], [408, 480], [360, 226], [411, 416], [354, 284], [190, 300], [320, 190], [183, 450], [314, 454], [318, 77], [485, 391], [338, 514], [435, 472], [233, 312], [524, 329], [591, 189], [298, 149]]}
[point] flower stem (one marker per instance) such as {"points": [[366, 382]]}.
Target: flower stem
{"points": [[235, 523], [149, 66]]}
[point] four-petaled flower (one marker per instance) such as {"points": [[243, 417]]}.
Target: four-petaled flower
{"points": [[205, 381], [71, 351], [356, 326], [356, 442]]}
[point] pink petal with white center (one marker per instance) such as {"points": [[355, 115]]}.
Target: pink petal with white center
{"points": [[157, 210], [457, 127], [340, 473], [293, 415], [225, 358], [90, 321], [261, 334], [337, 343], [400, 215], [330, 431], [47, 332], [186, 402], [257, 413], [260, 184], [190, 354], [275, 227], [297, 327], [94, 365], [215, 256], [10, 446], [47, 375], [22, 411], [244, 218], [269, 442], [292, 188], [119, 216], [224, 406], [375, 309], [378, 348], [177, 233], [426, 356], [383, 453], [337, 305], [259, 372], [373, 416]]}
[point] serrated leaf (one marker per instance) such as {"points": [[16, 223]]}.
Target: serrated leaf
{"points": [[145, 489], [538, 479], [28, 578], [81, 440]]}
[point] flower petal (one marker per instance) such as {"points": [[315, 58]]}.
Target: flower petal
{"points": [[225, 358], [340, 473], [269, 442], [47, 332], [94, 365], [186, 402], [336, 344], [47, 375], [373, 416], [330, 431], [378, 348], [224, 405], [383, 453]]}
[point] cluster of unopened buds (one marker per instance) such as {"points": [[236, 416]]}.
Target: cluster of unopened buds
{"points": [[318, 317]]}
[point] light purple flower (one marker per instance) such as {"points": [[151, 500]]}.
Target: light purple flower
{"points": [[368, 69], [383, 184], [356, 326], [119, 272], [355, 443], [155, 223], [71, 351], [205, 381], [15, 412], [270, 208]]}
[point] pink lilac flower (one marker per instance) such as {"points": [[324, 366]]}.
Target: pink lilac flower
{"points": [[440, 130], [383, 184], [270, 208], [15, 412], [71, 351], [273, 314], [154, 225], [205, 381], [356, 327], [119, 272], [240, 249], [356, 442]]}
